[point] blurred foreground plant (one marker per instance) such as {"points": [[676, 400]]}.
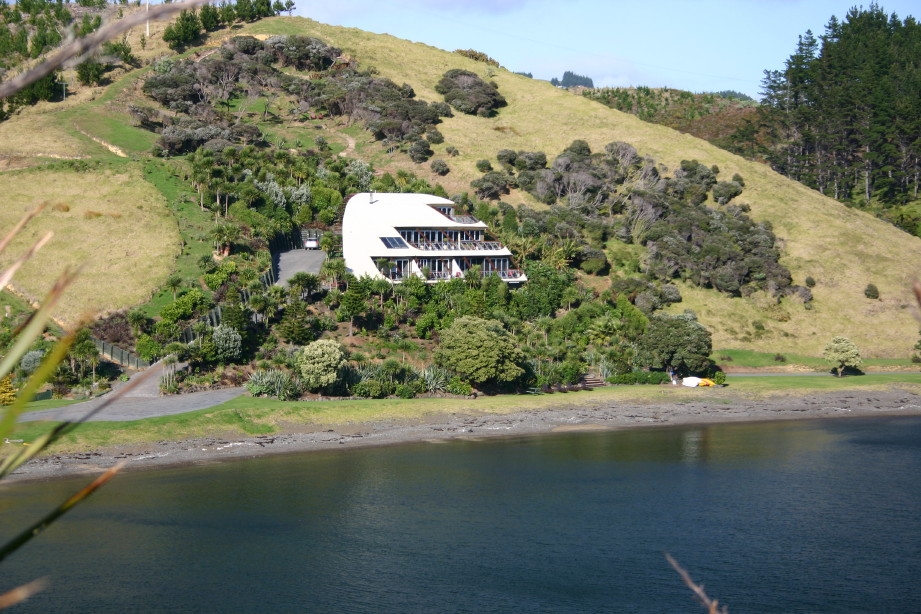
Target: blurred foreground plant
{"points": [[25, 336], [23, 339]]}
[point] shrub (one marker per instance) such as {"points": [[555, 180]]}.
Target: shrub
{"points": [[31, 360], [719, 378], [477, 56], [274, 383], [7, 390], [871, 292], [148, 348], [780, 358], [228, 344], [491, 185], [452, 151], [420, 151], [724, 191], [456, 386], [369, 389], [483, 166], [319, 364], [810, 282], [640, 377], [466, 92], [434, 136], [440, 167], [405, 391]]}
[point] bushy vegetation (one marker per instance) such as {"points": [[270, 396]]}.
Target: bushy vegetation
{"points": [[249, 70], [719, 117], [619, 194], [466, 92], [477, 56], [189, 25]]}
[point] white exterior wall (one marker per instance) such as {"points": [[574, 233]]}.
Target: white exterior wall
{"points": [[370, 216]]}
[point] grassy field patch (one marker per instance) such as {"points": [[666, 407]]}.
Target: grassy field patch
{"points": [[125, 251]]}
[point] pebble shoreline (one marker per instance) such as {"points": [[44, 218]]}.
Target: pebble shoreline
{"points": [[575, 414]]}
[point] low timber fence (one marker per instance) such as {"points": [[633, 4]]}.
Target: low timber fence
{"points": [[120, 356]]}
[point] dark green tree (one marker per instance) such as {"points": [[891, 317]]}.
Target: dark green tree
{"points": [[675, 341], [185, 30], [481, 352], [210, 17]]}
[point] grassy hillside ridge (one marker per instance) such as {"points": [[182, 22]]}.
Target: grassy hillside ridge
{"points": [[842, 249], [109, 220]]}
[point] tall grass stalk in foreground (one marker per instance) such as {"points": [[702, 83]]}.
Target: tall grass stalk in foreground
{"points": [[35, 325], [25, 336]]}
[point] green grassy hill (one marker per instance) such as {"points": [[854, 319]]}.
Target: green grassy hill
{"points": [[841, 249]]}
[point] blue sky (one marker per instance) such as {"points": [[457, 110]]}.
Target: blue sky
{"points": [[696, 45]]}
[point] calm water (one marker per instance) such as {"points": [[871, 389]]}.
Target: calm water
{"points": [[789, 517]]}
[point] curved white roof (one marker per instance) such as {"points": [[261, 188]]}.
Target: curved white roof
{"points": [[372, 222]]}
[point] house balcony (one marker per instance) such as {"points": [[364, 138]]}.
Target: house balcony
{"points": [[458, 246], [433, 276], [463, 219], [507, 274]]}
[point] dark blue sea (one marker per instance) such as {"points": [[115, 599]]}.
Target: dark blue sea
{"points": [[819, 516]]}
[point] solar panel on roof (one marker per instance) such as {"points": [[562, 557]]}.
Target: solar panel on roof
{"points": [[394, 242]]}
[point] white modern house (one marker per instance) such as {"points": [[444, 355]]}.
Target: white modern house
{"points": [[398, 235]]}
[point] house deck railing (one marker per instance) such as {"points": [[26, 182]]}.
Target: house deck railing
{"points": [[459, 246], [506, 274]]}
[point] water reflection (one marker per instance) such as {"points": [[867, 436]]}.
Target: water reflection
{"points": [[773, 517]]}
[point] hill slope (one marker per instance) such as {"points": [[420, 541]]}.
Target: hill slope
{"points": [[842, 249]]}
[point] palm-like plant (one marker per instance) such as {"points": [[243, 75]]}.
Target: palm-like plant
{"points": [[173, 283], [224, 235], [333, 269]]}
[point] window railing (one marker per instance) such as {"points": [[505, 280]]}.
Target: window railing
{"points": [[505, 274], [458, 245]]}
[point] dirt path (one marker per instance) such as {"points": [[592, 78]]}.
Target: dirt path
{"points": [[114, 149], [350, 148]]}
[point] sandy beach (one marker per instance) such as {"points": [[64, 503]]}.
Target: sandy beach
{"points": [[576, 412]]}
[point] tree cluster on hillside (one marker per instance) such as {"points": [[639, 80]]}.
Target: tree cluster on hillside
{"points": [[632, 200], [845, 110], [718, 117], [571, 79], [189, 25], [247, 71], [477, 56], [30, 28], [466, 92]]}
